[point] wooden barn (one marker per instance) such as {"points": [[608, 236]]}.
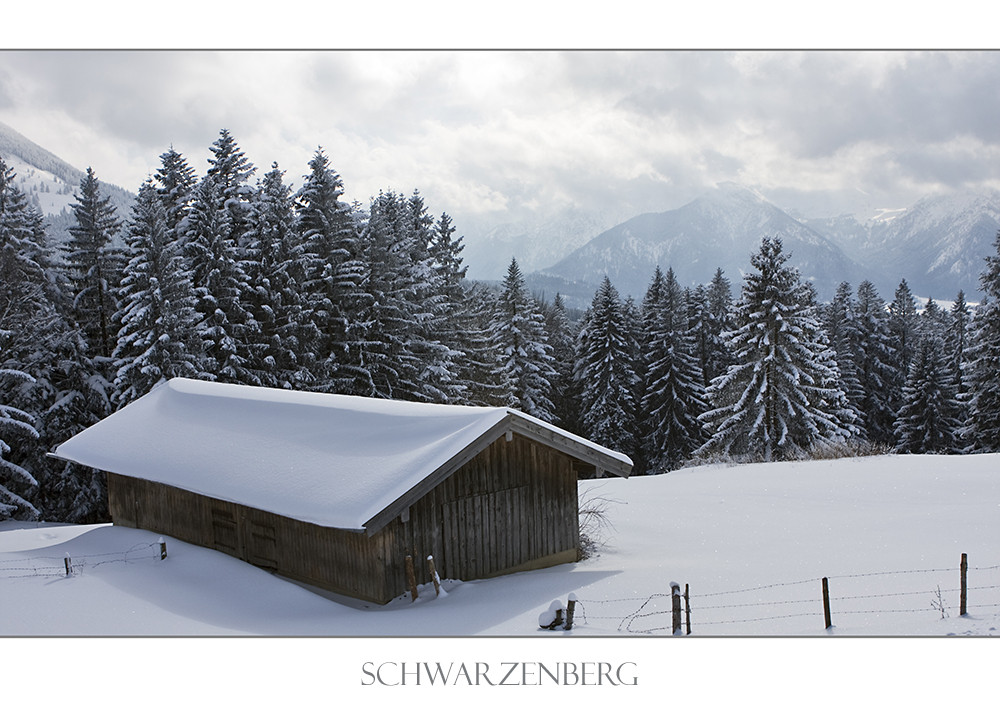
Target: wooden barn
{"points": [[335, 491]]}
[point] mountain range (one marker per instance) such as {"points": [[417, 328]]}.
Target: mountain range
{"points": [[938, 244]]}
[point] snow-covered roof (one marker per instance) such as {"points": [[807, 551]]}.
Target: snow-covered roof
{"points": [[334, 460]]}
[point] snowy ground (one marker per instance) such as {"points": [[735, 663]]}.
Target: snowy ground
{"points": [[753, 543]]}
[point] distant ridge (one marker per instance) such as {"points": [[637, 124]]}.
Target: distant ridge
{"points": [[722, 228], [16, 145]]}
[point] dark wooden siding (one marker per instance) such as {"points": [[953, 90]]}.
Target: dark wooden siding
{"points": [[512, 507], [341, 561]]}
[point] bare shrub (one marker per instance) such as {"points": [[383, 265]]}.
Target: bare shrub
{"points": [[594, 521]]}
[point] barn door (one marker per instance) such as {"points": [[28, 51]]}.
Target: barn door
{"points": [[261, 546], [225, 537]]}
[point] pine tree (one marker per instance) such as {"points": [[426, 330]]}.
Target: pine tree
{"points": [[227, 330], [775, 402], [275, 268], [526, 356], [66, 399], [157, 340], [565, 391], [333, 269], [176, 182], [841, 324], [94, 265], [933, 322], [436, 379], [447, 292], [606, 374], [904, 334], [386, 355], [713, 347], [983, 431], [66, 392], [956, 344], [230, 171], [24, 285], [878, 374], [15, 424], [928, 421], [481, 370], [674, 397]]}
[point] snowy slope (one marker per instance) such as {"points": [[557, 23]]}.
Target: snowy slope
{"points": [[769, 531], [50, 182]]}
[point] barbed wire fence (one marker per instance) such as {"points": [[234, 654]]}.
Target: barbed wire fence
{"points": [[776, 601], [67, 566]]}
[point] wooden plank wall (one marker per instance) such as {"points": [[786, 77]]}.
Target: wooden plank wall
{"points": [[336, 560], [511, 507]]}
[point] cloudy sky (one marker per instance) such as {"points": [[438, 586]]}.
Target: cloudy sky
{"points": [[495, 136]]}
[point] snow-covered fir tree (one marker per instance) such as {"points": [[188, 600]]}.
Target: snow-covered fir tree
{"points": [[230, 171], [395, 348], [67, 391], [452, 321], [94, 265], [933, 321], [878, 373], [16, 483], [606, 373], [841, 324], [176, 181], [904, 330], [565, 390], [436, 379], [929, 420], [333, 271], [230, 336], [983, 430], [275, 267], [157, 340], [674, 396], [481, 370], [779, 400], [713, 349], [24, 284], [525, 354], [957, 342]]}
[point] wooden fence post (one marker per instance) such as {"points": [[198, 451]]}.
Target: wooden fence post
{"points": [[411, 579], [826, 603], [67, 562], [675, 594], [163, 548], [687, 607], [965, 572], [570, 610], [434, 576]]}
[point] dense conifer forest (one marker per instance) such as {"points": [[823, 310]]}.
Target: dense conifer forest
{"points": [[234, 276]]}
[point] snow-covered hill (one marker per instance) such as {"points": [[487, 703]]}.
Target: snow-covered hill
{"points": [[752, 542], [887, 531], [51, 182]]}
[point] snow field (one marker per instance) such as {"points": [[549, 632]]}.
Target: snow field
{"points": [[771, 531]]}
